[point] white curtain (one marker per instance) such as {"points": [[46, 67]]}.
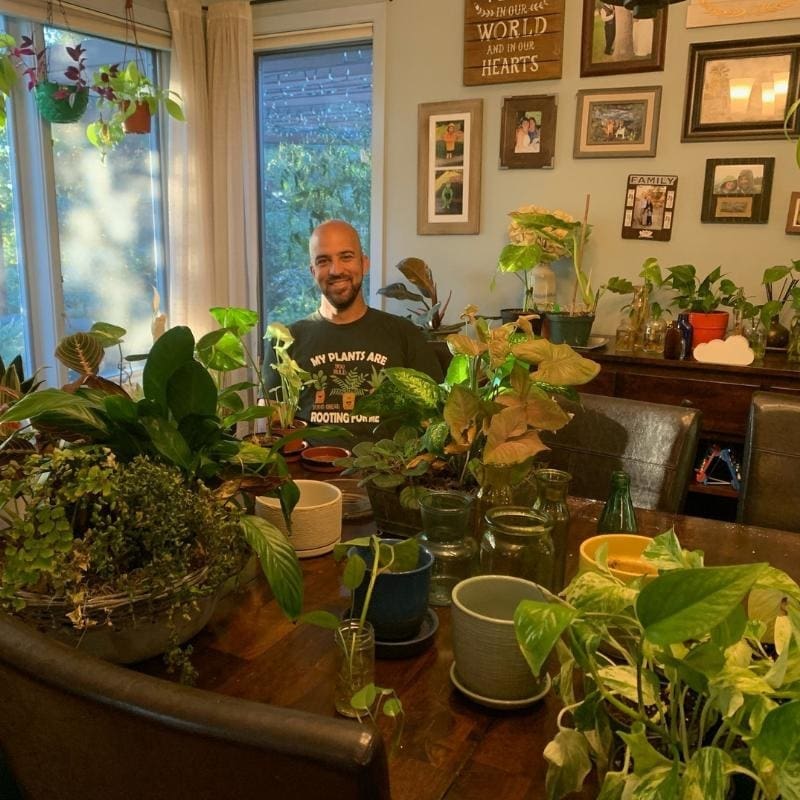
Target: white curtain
{"points": [[191, 263], [233, 152]]}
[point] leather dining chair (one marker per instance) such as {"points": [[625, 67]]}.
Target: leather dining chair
{"points": [[655, 443], [771, 464], [73, 727]]}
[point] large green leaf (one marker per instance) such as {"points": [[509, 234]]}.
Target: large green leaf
{"points": [[514, 450], [600, 593], [460, 411], [167, 440], [568, 763], [687, 603], [222, 351], [81, 352], [538, 627], [239, 320], [55, 401], [645, 756], [566, 368], [419, 386], [279, 562], [519, 257], [191, 391], [169, 352], [665, 552], [776, 750]]}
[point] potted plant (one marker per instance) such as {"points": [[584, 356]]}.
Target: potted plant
{"points": [[702, 299], [128, 100], [687, 680], [175, 423], [778, 334], [57, 101], [498, 393], [431, 316]]}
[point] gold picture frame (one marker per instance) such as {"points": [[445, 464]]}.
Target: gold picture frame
{"points": [[450, 138]]}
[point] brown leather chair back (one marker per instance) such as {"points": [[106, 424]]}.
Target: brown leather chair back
{"points": [[771, 465], [655, 443], [76, 728]]}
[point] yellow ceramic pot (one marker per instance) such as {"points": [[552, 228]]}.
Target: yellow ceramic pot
{"points": [[624, 555]]}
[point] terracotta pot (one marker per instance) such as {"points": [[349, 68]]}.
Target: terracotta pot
{"points": [[707, 326], [139, 121]]}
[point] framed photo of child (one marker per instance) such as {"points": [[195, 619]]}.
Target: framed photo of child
{"points": [[528, 132]]}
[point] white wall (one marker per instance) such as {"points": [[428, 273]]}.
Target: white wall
{"points": [[424, 64]]}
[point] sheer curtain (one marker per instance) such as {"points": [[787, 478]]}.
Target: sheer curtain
{"points": [[212, 187], [233, 151], [191, 265]]}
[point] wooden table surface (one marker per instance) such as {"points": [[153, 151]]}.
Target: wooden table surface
{"points": [[451, 747]]}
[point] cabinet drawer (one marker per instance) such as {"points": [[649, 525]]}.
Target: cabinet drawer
{"points": [[724, 405]]}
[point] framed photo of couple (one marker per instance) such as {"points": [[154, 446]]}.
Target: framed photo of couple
{"points": [[737, 190], [449, 167], [528, 132]]}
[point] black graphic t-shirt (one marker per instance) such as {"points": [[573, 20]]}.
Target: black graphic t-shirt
{"points": [[344, 360]]}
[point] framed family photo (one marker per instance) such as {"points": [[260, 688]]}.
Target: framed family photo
{"points": [[528, 132], [613, 41], [449, 167], [793, 220], [741, 90], [737, 190], [617, 123], [649, 207]]}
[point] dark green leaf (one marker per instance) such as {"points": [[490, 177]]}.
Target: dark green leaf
{"points": [[167, 440], [170, 352], [191, 391], [322, 619], [354, 571]]}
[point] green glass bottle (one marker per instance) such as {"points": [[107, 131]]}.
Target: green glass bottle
{"points": [[618, 514]]}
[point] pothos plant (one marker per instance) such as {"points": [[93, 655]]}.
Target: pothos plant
{"points": [[368, 700], [499, 392], [684, 682]]}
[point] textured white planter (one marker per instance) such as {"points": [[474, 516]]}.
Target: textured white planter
{"points": [[316, 519], [489, 662]]}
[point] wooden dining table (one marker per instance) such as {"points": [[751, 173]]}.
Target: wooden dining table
{"points": [[450, 747]]}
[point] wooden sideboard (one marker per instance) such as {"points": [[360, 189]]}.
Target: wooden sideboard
{"points": [[722, 393]]}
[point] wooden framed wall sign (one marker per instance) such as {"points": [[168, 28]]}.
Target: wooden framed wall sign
{"points": [[649, 207], [506, 41], [449, 167]]}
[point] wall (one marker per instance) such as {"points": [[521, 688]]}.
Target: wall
{"points": [[424, 63]]}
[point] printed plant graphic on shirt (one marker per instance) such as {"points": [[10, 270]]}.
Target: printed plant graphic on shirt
{"points": [[318, 381], [349, 386]]}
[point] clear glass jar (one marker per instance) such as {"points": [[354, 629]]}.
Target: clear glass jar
{"points": [[793, 348], [552, 501], [447, 533], [624, 336], [496, 489], [518, 541], [654, 334], [355, 652], [757, 338], [640, 311]]}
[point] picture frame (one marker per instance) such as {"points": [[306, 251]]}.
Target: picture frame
{"points": [[528, 132], [793, 218], [617, 123], [613, 42], [737, 190], [649, 207], [708, 13], [741, 90], [449, 141]]}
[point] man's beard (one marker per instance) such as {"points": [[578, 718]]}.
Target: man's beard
{"points": [[342, 302]]}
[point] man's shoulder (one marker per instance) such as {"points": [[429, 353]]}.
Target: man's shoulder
{"points": [[391, 321]]}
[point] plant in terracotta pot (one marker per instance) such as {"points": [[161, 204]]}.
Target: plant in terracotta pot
{"points": [[701, 298], [680, 685], [498, 393], [430, 317], [128, 100], [62, 100]]}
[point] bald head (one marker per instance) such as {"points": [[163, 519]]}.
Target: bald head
{"points": [[338, 266]]}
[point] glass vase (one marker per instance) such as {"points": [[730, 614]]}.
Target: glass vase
{"points": [[496, 489], [654, 333], [518, 541], [777, 334], [757, 339], [543, 287], [640, 312], [793, 348], [553, 486], [355, 652]]}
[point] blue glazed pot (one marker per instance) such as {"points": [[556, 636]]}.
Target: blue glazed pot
{"points": [[400, 599]]}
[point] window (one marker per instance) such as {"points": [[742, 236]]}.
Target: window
{"points": [[315, 132], [104, 219]]}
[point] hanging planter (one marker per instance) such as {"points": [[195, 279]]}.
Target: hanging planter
{"points": [[140, 117], [60, 104]]}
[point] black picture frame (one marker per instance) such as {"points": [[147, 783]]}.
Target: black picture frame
{"points": [[537, 110], [649, 213], [741, 90], [737, 190]]}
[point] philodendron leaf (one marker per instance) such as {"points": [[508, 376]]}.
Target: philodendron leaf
{"points": [[599, 593], [705, 776], [613, 786], [459, 412], [538, 627], [239, 320], [645, 756], [354, 572], [406, 555], [322, 619], [776, 750], [665, 552], [279, 562], [621, 680], [461, 344], [659, 783], [569, 763], [687, 603]]}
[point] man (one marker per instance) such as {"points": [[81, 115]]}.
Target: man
{"points": [[345, 344]]}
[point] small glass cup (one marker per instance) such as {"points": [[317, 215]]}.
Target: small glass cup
{"points": [[355, 650], [757, 338]]}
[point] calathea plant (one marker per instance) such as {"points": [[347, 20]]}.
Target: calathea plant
{"points": [[685, 682]]}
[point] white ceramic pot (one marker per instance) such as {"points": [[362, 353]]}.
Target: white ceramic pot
{"points": [[316, 519], [488, 660]]}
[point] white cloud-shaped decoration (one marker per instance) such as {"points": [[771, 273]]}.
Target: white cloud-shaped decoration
{"points": [[734, 350]]}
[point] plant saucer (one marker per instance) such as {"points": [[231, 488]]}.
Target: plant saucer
{"points": [[491, 702], [407, 648]]}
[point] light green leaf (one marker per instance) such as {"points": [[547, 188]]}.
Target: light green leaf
{"points": [[322, 619], [174, 109], [665, 552], [776, 750], [393, 707], [538, 626], [568, 763], [364, 698], [565, 368], [645, 756], [279, 562], [686, 603], [417, 385], [705, 776], [622, 680], [354, 571], [460, 411], [595, 592]]}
